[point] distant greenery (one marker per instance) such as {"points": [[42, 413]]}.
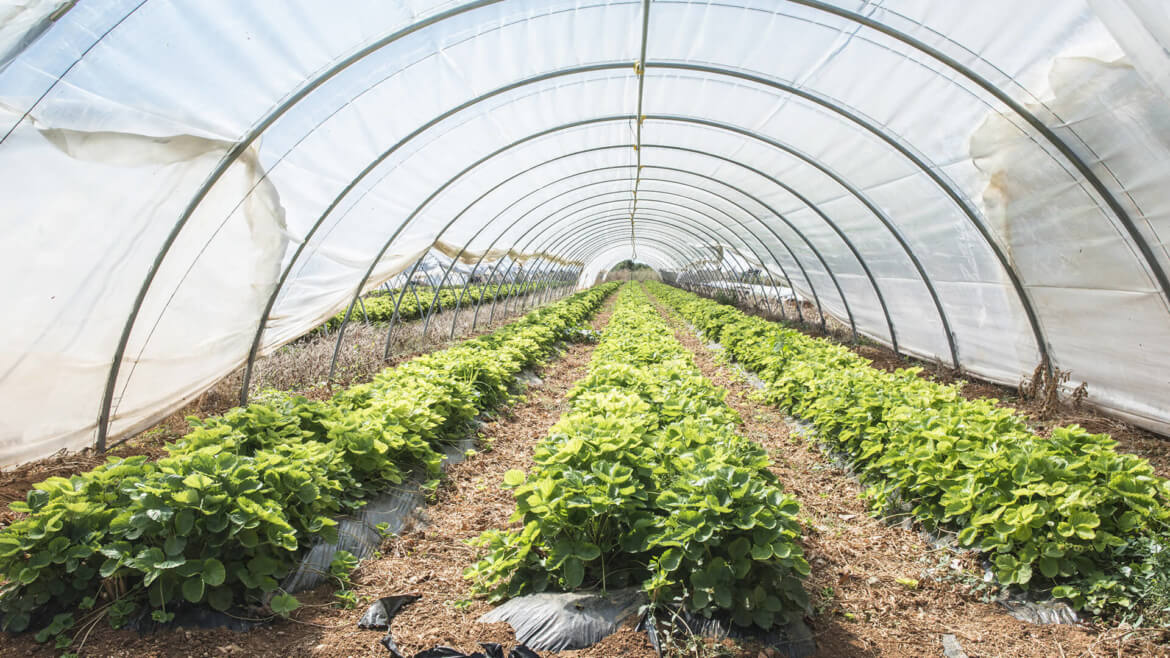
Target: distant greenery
{"points": [[630, 266]]}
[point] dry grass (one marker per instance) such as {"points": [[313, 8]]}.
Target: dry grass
{"points": [[304, 365], [787, 312]]}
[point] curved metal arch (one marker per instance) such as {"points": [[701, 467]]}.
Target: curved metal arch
{"points": [[768, 249], [1039, 126], [486, 158], [611, 236], [315, 82], [713, 234], [526, 213], [591, 246], [491, 222], [781, 217], [514, 85], [569, 205], [361, 176], [697, 227], [716, 208], [539, 222], [614, 237], [613, 240], [654, 216], [495, 300], [948, 334], [341, 331], [796, 260], [509, 179], [877, 131], [579, 223], [666, 219], [602, 222], [783, 243], [853, 191], [555, 244], [791, 252], [588, 247], [824, 217]]}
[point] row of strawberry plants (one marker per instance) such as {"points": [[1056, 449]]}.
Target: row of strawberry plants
{"points": [[645, 482], [1066, 512], [239, 499], [380, 307]]}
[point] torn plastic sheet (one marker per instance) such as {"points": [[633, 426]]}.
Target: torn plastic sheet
{"points": [[359, 534], [952, 648], [571, 620], [381, 612], [1032, 608]]}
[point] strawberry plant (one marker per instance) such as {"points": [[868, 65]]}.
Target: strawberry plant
{"points": [[379, 305]]}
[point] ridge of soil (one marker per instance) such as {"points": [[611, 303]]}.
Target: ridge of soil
{"points": [[427, 558], [859, 606]]}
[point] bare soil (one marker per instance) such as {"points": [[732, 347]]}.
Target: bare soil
{"points": [[860, 607]]}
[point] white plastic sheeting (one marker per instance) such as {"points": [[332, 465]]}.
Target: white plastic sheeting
{"points": [[172, 168]]}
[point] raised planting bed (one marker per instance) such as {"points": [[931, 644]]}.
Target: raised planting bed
{"points": [[645, 483]]}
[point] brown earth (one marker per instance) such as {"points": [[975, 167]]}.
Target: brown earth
{"points": [[859, 606]]}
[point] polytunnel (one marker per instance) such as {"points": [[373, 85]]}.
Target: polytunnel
{"points": [[187, 186]]}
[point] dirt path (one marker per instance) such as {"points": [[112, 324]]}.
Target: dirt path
{"points": [[860, 607], [428, 560]]}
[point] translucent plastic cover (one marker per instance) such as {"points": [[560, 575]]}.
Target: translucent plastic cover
{"points": [[986, 184]]}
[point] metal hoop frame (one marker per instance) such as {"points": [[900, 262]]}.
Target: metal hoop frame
{"points": [[1154, 267]]}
